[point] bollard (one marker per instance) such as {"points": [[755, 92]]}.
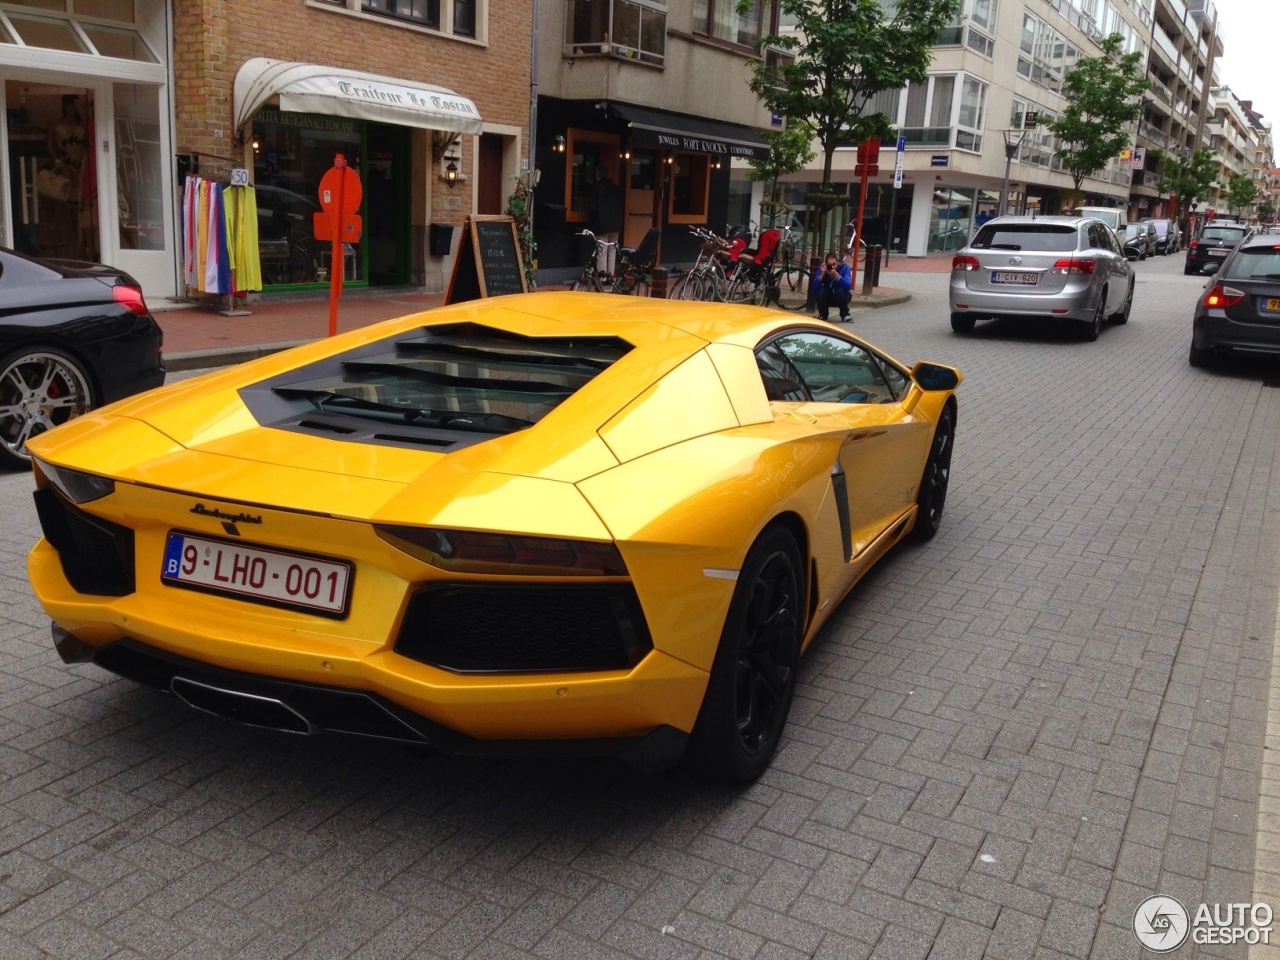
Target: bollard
{"points": [[658, 283], [868, 277], [880, 254]]}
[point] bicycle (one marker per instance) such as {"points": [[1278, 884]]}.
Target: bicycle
{"points": [[708, 278], [591, 280], [848, 243]]}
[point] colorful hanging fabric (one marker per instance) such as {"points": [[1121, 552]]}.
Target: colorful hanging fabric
{"points": [[224, 257], [190, 230], [210, 224], [240, 205]]}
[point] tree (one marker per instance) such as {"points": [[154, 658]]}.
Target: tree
{"points": [[789, 152], [845, 52], [1102, 100], [1241, 192], [1266, 209], [1189, 178]]}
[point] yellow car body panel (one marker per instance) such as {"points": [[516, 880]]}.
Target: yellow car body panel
{"points": [[672, 455]]}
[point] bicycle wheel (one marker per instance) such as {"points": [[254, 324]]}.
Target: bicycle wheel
{"points": [[792, 276], [745, 289], [587, 282]]}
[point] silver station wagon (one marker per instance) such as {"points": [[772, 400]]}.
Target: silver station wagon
{"points": [[1067, 269]]}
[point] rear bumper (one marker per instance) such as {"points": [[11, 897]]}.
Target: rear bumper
{"points": [[1198, 263], [1071, 303], [295, 707], [1215, 331]]}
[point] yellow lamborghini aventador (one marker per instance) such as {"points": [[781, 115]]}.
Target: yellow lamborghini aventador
{"points": [[540, 522]]}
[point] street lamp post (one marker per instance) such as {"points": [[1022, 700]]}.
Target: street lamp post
{"points": [[1011, 146]]}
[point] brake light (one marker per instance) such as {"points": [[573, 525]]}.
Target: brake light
{"points": [[1222, 296], [467, 551], [1192, 245], [1069, 267], [130, 298], [965, 263]]}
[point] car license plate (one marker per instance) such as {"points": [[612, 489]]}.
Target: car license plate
{"points": [[1271, 304], [1006, 276], [1217, 253], [257, 574]]}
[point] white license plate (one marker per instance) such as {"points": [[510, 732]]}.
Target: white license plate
{"points": [[1006, 276], [257, 574], [1217, 253]]}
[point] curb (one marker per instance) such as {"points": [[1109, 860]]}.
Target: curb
{"points": [[860, 302], [224, 356]]}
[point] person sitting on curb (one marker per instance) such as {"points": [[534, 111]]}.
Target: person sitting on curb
{"points": [[833, 287]]}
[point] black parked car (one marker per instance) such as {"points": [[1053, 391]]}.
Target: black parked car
{"points": [[73, 336], [1240, 311], [1168, 235], [1139, 241], [1213, 244]]}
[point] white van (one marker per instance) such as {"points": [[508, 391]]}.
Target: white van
{"points": [[1113, 217]]}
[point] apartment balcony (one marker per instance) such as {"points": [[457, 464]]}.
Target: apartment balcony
{"points": [[1153, 133], [1179, 9], [1165, 46], [1160, 90]]}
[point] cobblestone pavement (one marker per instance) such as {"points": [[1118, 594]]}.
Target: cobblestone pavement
{"points": [[1003, 742]]}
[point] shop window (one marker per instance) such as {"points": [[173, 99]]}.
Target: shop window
{"points": [[425, 12], [139, 188], [294, 150], [733, 22], [46, 32], [586, 149], [690, 185], [117, 42], [634, 29]]}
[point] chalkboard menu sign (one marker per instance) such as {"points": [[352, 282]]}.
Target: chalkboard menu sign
{"points": [[488, 263]]}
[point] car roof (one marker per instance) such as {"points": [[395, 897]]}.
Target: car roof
{"points": [[1055, 220]]}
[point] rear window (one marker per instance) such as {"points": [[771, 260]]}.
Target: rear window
{"points": [[1255, 263], [1230, 234], [1135, 230], [1026, 236], [443, 386]]}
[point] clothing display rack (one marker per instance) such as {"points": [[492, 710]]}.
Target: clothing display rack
{"points": [[220, 232]]}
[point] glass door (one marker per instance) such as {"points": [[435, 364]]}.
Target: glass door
{"points": [[140, 240], [53, 169]]}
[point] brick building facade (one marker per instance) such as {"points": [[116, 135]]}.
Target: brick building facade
{"points": [[198, 87]]}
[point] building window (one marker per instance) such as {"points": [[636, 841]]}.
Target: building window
{"points": [[690, 186], [634, 29], [464, 18], [586, 149], [972, 114], [425, 12], [722, 20]]}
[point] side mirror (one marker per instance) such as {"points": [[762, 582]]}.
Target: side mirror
{"points": [[935, 376]]}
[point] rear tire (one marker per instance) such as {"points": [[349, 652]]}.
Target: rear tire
{"points": [[963, 322], [753, 677], [1188, 271], [44, 387], [932, 496], [1121, 318], [1089, 330], [1201, 359]]}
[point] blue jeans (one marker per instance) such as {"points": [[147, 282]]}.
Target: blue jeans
{"points": [[832, 296]]}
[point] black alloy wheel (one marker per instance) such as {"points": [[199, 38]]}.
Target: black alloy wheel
{"points": [[1090, 330], [1121, 318], [753, 678], [40, 388], [937, 477]]}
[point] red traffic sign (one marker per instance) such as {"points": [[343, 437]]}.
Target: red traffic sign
{"points": [[869, 152], [341, 182], [322, 227], [866, 170]]}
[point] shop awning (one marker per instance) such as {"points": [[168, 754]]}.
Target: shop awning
{"points": [[677, 131], [313, 88]]}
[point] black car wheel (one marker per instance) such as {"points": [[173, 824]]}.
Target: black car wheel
{"points": [[753, 677], [963, 322], [40, 388], [1090, 330], [937, 476], [1121, 318]]}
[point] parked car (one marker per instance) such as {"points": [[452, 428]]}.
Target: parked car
{"points": [[1066, 269], [1139, 241], [1240, 311], [1113, 217], [539, 522], [1212, 245], [73, 336], [1168, 235]]}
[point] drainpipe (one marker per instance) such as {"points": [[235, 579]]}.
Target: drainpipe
{"points": [[533, 108]]}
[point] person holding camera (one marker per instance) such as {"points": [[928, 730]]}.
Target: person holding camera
{"points": [[833, 287]]}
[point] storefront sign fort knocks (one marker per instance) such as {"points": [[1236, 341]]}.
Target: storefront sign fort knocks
{"points": [[698, 145]]}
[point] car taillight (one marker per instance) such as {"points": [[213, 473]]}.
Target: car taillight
{"points": [[467, 551], [1067, 267], [1222, 296], [130, 298], [965, 263], [1192, 245]]}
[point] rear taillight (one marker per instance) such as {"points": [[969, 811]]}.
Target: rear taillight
{"points": [[1192, 245], [467, 551], [1068, 267], [1222, 296], [130, 298], [965, 263]]}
